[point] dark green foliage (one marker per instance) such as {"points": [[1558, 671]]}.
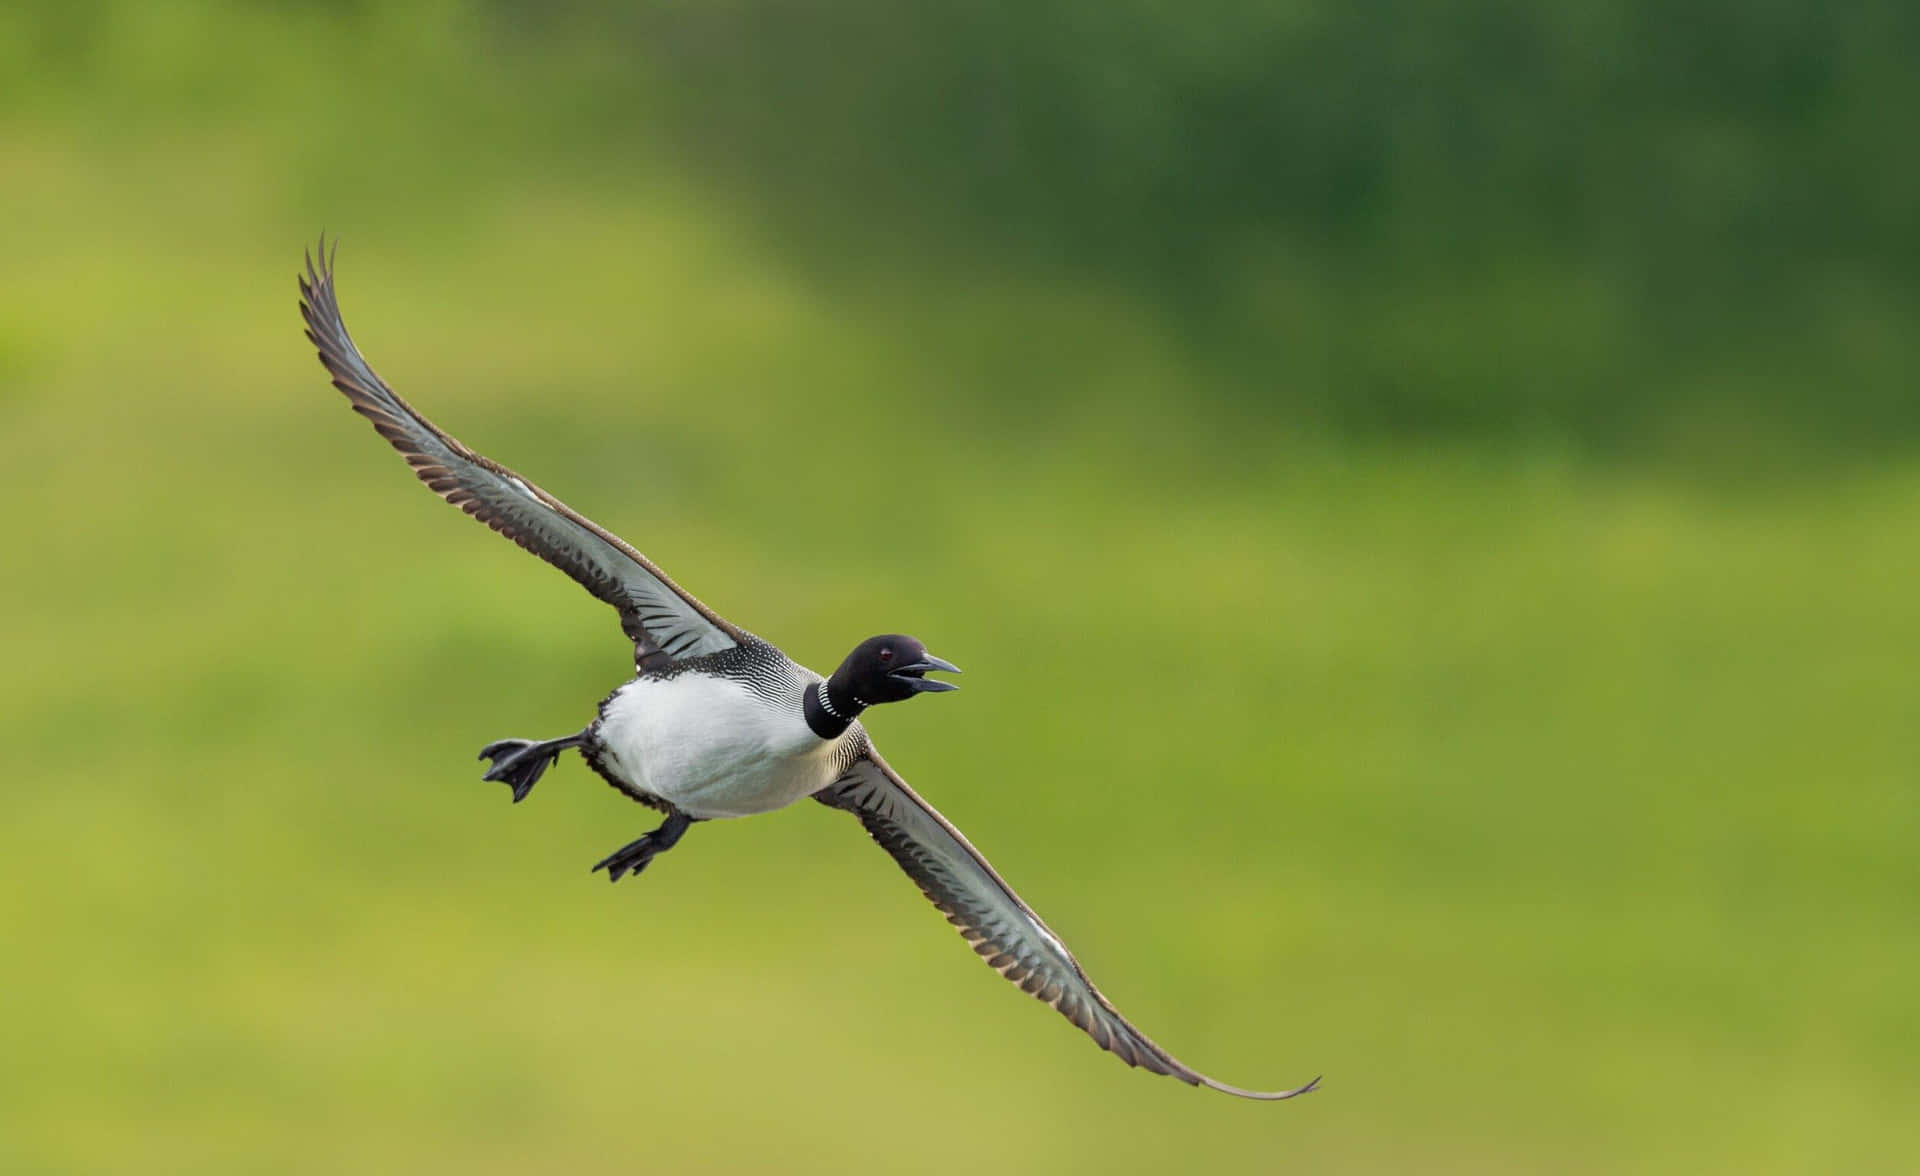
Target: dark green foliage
{"points": [[1608, 223], [1635, 227]]}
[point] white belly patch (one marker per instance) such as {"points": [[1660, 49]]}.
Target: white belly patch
{"points": [[711, 747]]}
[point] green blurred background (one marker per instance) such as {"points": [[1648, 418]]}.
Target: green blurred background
{"points": [[1426, 499]]}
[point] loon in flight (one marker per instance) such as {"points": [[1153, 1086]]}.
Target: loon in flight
{"points": [[719, 723]]}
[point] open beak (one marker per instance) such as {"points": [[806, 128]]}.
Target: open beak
{"points": [[913, 672]]}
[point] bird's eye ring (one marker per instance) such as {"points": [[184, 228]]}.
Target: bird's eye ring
{"points": [[886, 654]]}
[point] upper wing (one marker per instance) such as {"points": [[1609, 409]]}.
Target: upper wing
{"points": [[994, 920], [655, 612]]}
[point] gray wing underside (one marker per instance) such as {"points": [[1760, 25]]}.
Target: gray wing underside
{"points": [[998, 925], [655, 612]]}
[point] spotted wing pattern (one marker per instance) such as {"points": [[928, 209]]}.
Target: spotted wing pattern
{"points": [[1000, 927], [665, 622]]}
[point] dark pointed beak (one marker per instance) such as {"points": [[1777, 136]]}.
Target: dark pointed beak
{"points": [[912, 672]]}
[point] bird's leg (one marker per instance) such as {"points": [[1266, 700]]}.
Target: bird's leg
{"points": [[521, 762], [633, 857]]}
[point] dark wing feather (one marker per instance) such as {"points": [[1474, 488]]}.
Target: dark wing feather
{"points": [[1001, 928], [656, 613]]}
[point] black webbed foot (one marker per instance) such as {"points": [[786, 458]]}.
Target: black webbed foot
{"points": [[633, 857], [521, 762], [630, 858]]}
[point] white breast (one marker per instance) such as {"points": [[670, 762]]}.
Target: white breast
{"points": [[711, 747]]}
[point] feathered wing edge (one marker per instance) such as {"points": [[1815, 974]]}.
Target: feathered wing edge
{"points": [[995, 922], [655, 612]]}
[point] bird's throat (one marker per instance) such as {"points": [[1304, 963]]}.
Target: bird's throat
{"points": [[830, 708]]}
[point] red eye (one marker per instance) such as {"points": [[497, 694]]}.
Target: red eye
{"points": [[886, 655]]}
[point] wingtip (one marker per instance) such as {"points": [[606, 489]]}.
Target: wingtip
{"points": [[320, 259], [1263, 1095]]}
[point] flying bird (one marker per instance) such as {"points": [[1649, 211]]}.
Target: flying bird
{"points": [[719, 723]]}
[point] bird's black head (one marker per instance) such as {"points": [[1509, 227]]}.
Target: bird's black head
{"points": [[888, 668]]}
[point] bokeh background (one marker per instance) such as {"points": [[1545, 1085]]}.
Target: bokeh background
{"points": [[1426, 498]]}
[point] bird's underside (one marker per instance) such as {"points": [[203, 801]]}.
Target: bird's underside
{"points": [[671, 631]]}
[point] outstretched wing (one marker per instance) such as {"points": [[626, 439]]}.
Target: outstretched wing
{"points": [[660, 617], [991, 916]]}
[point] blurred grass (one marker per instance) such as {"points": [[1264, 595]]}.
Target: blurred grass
{"points": [[1561, 813]]}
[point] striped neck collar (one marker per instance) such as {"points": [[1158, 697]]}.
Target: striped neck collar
{"points": [[829, 712]]}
